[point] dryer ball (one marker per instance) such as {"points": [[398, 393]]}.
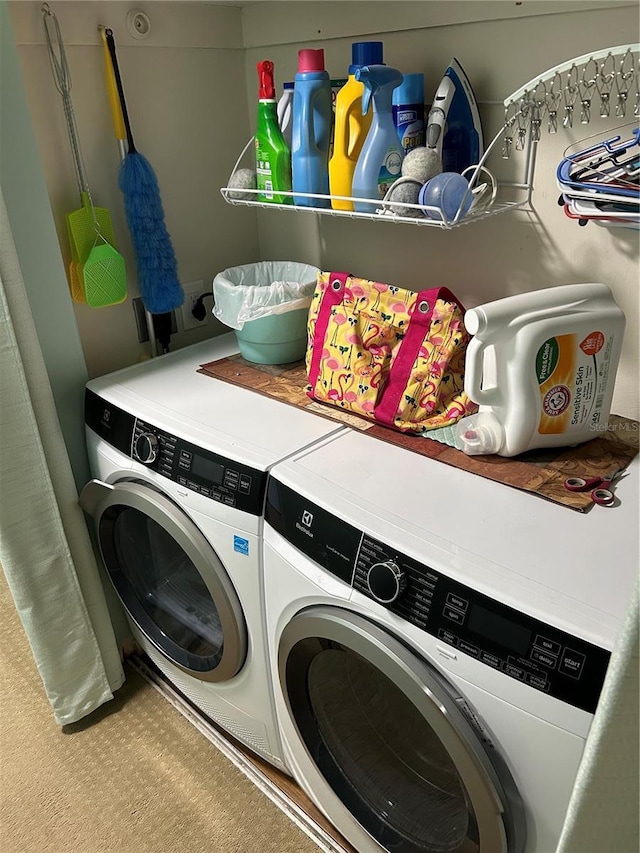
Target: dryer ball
{"points": [[244, 179], [403, 191], [421, 164]]}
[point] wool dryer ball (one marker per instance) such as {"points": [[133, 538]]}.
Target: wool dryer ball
{"points": [[421, 164], [404, 191], [243, 179]]}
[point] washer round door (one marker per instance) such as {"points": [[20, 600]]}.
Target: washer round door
{"points": [[386, 751], [169, 578]]}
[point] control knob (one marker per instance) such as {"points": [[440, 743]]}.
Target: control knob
{"points": [[386, 581], [145, 448]]}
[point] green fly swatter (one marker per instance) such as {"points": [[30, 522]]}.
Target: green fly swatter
{"points": [[94, 258]]}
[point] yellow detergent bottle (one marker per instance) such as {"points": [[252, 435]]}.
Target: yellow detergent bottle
{"points": [[351, 127], [542, 367]]}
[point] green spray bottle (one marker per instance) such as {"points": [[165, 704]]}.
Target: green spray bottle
{"points": [[273, 158]]}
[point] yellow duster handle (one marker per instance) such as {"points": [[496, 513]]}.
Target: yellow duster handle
{"points": [[112, 92], [121, 136]]}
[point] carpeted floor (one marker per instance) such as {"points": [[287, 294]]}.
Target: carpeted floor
{"points": [[134, 777]]}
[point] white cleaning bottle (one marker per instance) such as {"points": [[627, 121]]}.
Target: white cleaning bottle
{"points": [[285, 112], [381, 157], [542, 367]]}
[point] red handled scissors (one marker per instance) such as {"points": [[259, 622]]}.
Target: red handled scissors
{"points": [[600, 494]]}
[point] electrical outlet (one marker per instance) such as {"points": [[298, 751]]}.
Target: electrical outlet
{"points": [[192, 291]]}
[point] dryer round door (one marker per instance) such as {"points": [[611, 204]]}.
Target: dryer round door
{"points": [[386, 750], [169, 578]]}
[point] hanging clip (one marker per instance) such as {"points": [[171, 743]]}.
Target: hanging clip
{"points": [[570, 94], [625, 73], [523, 121], [538, 107], [509, 120], [586, 86], [604, 84], [554, 97]]}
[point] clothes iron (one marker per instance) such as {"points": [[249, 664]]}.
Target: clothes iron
{"points": [[454, 128]]}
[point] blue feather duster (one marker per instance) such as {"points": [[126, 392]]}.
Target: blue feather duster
{"points": [[158, 281]]}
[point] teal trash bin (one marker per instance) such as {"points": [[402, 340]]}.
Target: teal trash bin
{"points": [[267, 304]]}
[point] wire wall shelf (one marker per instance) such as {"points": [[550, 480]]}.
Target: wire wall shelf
{"points": [[503, 197], [606, 81], [380, 214]]}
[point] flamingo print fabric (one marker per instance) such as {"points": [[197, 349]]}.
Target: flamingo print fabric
{"points": [[391, 355]]}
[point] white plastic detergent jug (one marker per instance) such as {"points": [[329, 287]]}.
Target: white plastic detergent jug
{"points": [[542, 367]]}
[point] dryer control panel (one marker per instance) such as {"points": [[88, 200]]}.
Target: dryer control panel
{"points": [[497, 635], [209, 474], [522, 647]]}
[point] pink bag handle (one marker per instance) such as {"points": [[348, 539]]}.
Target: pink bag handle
{"points": [[333, 295], [419, 322]]}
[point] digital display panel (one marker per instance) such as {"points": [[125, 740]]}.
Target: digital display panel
{"points": [[212, 471], [500, 630]]}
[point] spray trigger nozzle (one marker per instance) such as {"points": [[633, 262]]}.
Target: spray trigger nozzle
{"points": [[265, 80], [377, 78]]}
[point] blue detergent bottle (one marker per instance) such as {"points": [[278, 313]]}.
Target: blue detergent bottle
{"points": [[311, 129], [380, 160]]}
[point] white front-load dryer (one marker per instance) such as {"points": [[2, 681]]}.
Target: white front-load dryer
{"points": [[180, 461], [438, 644]]}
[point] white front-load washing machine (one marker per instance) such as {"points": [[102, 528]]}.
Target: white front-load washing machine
{"points": [[438, 643], [180, 461]]}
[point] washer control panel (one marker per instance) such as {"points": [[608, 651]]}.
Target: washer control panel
{"points": [[501, 637], [202, 471]]}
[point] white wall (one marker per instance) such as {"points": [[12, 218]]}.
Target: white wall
{"points": [[192, 92]]}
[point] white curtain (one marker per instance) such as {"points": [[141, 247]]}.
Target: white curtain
{"points": [[45, 549], [603, 812]]}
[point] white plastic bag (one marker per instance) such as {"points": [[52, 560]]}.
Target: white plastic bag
{"points": [[262, 289]]}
